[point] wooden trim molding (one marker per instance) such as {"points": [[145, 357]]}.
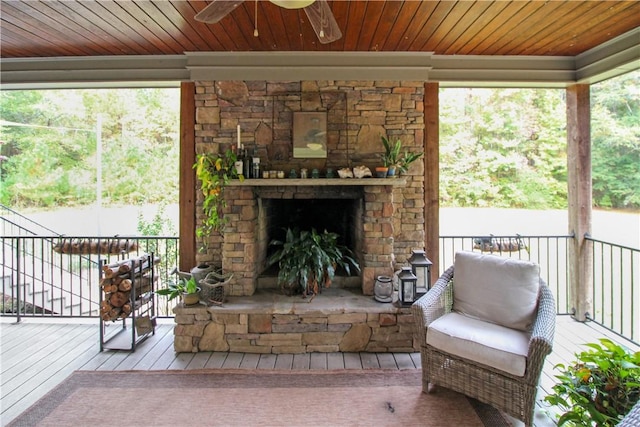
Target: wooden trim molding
{"points": [[615, 57]]}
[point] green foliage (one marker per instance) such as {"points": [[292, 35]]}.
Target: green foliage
{"points": [[498, 147], [160, 225], [615, 139], [308, 260], [214, 172], [49, 139], [393, 155], [176, 289], [507, 147], [600, 388], [503, 148]]}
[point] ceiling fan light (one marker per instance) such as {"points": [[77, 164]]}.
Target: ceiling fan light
{"points": [[292, 4]]}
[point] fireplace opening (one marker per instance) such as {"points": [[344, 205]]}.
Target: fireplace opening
{"points": [[342, 216]]}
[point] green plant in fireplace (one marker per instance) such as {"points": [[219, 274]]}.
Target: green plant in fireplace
{"points": [[308, 260], [214, 172]]}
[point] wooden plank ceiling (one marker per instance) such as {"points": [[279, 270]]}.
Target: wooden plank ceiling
{"points": [[95, 28]]}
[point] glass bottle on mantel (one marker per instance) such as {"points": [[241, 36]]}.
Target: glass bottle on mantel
{"points": [[240, 162], [246, 164]]}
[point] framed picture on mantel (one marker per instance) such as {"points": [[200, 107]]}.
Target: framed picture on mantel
{"points": [[310, 135]]}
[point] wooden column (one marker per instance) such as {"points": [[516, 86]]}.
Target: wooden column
{"points": [[187, 198], [580, 203], [432, 176]]}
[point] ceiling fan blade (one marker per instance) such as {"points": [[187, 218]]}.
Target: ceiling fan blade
{"points": [[323, 22], [216, 10]]}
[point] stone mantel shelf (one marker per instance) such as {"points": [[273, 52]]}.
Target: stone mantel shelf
{"points": [[318, 182]]}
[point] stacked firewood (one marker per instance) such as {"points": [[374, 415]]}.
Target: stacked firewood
{"points": [[117, 283]]}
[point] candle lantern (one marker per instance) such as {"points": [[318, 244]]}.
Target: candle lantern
{"points": [[421, 267], [407, 286]]}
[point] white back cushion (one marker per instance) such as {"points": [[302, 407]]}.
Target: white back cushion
{"points": [[500, 290]]}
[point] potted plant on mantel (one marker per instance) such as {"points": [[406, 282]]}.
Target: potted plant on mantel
{"points": [[394, 160], [214, 172], [308, 261]]}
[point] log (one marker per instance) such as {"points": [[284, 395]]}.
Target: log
{"points": [[95, 246], [118, 299], [125, 285]]}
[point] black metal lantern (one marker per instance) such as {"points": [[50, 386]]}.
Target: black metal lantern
{"points": [[421, 267], [406, 286]]}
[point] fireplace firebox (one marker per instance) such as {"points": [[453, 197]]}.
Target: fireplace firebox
{"points": [[359, 211]]}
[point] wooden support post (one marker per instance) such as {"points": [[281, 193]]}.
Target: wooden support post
{"points": [[187, 197], [432, 176], [580, 200]]}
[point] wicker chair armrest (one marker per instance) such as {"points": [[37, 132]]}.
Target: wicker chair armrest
{"points": [[435, 303], [541, 341]]}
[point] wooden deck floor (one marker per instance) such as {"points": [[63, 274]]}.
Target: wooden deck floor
{"points": [[38, 354]]}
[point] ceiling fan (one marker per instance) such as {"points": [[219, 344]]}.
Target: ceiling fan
{"points": [[318, 11]]}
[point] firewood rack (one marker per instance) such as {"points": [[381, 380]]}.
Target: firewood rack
{"points": [[127, 315]]}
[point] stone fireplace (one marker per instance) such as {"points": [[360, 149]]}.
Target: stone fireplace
{"points": [[359, 211], [381, 220]]}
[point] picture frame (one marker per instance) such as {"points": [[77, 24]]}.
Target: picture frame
{"points": [[310, 135]]}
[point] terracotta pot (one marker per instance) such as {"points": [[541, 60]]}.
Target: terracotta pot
{"points": [[382, 171]]}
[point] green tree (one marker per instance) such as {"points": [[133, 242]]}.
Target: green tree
{"points": [[50, 146], [503, 147], [615, 139]]}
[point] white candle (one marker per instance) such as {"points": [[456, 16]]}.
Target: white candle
{"points": [[239, 144]]}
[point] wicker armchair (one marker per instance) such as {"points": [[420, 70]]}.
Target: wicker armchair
{"points": [[515, 394]]}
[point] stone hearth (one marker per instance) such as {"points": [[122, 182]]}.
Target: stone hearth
{"points": [[338, 320]]}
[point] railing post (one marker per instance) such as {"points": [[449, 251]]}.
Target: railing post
{"points": [[18, 294]]}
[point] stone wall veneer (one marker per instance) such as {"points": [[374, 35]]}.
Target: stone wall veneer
{"points": [[358, 114]]}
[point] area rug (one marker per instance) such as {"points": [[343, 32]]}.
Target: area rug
{"points": [[254, 398]]}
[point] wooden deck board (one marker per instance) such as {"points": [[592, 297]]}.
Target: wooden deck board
{"points": [[335, 361], [250, 361], [29, 371], [284, 361], [318, 361]]}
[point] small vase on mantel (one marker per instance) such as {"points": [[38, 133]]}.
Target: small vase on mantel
{"points": [[382, 171]]}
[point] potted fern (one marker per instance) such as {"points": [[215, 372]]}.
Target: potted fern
{"points": [[308, 261]]}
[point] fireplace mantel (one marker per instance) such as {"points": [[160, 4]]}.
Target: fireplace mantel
{"points": [[319, 182]]}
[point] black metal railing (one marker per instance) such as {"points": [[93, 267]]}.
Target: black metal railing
{"points": [[550, 252], [58, 276], [616, 288], [38, 280]]}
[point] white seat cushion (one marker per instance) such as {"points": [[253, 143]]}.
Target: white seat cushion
{"points": [[483, 342], [496, 289]]}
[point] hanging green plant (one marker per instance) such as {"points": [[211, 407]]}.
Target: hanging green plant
{"points": [[214, 172]]}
